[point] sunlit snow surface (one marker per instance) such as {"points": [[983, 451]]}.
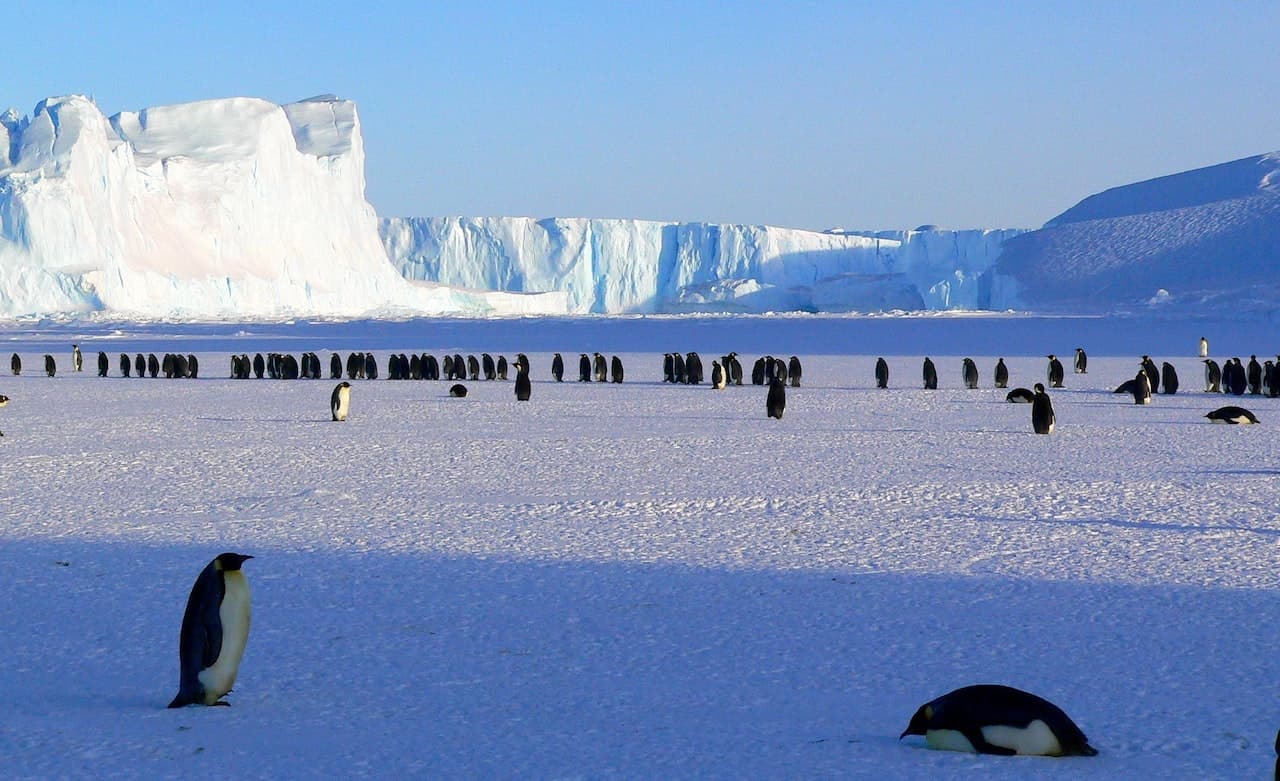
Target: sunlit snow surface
{"points": [[638, 581]]}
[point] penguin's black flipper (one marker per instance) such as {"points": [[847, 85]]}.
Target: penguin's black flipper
{"points": [[981, 745]]}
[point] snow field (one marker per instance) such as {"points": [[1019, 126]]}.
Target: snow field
{"points": [[634, 581]]}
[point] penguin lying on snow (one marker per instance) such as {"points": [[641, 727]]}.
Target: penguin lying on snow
{"points": [[458, 391], [1019, 396], [215, 629], [993, 719], [1231, 415]]}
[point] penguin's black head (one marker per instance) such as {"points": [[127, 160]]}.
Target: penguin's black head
{"points": [[919, 722], [230, 562], [1039, 387]]}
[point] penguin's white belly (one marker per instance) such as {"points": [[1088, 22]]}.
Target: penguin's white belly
{"points": [[235, 613], [1035, 739], [342, 404]]}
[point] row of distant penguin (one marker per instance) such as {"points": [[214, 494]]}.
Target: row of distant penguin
{"points": [[686, 368]]}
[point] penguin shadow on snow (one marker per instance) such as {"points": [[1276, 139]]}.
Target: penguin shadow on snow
{"points": [[644, 635]]}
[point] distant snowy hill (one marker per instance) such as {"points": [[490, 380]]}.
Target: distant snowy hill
{"points": [[614, 266], [1201, 241], [221, 208]]}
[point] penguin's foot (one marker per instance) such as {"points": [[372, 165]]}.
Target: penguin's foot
{"points": [[223, 702]]}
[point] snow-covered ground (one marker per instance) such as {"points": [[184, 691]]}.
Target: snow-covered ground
{"points": [[638, 581]]}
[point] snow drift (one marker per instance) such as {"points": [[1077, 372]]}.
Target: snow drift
{"points": [[235, 207], [1194, 242]]}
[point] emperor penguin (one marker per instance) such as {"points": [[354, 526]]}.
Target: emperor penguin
{"points": [[882, 373], [615, 369], [503, 367], [104, 363], [1055, 372], [668, 367], [1042, 417], [601, 368], [15, 365], [3, 401], [1212, 376], [1153, 373], [125, 365], [215, 629], [776, 402], [340, 401], [1020, 396], [734, 369], [488, 366], [458, 391], [758, 370], [1236, 415], [584, 368], [994, 719], [523, 387], [139, 365], [1254, 376], [77, 358], [1168, 378], [717, 376], [1204, 347], [970, 374], [335, 367], [794, 370], [1142, 389], [1002, 374], [1082, 361], [50, 365], [930, 375]]}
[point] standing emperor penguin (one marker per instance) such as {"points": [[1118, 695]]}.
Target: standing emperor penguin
{"points": [[335, 367], [139, 365], [1082, 361], [77, 358], [15, 365], [584, 368], [523, 387], [1142, 388], [601, 368], [1042, 418], [1002, 374], [882, 373], [776, 402], [615, 369], [993, 719], [104, 363], [794, 370], [1055, 372], [970, 374], [1204, 347], [1212, 376], [215, 628], [503, 368], [1254, 376], [717, 376], [340, 401], [125, 364], [1153, 373], [1168, 378], [930, 375], [50, 365]]}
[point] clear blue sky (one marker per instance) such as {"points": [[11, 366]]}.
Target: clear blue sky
{"points": [[866, 115]]}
